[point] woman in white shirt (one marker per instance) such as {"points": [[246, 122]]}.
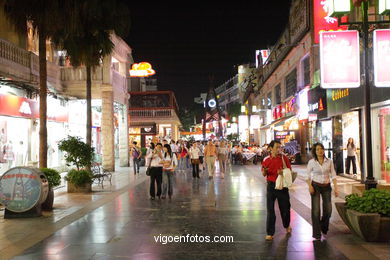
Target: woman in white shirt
{"points": [[155, 157], [194, 156], [169, 161], [320, 173]]}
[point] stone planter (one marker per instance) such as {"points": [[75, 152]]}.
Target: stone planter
{"points": [[48, 203], [369, 226], [87, 187]]}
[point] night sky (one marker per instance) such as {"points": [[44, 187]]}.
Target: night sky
{"points": [[187, 43]]}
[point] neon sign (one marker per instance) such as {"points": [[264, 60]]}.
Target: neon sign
{"points": [[142, 69]]}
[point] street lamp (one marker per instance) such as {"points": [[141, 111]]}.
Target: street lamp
{"points": [[339, 7], [384, 7], [370, 181]]}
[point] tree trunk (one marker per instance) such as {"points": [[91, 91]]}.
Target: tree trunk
{"points": [[89, 106], [42, 100]]}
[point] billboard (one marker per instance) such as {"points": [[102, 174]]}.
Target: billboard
{"points": [[382, 58], [340, 59]]}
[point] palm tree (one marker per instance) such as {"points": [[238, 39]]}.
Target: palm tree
{"points": [[86, 37], [43, 16]]}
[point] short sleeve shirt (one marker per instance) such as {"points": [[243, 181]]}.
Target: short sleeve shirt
{"points": [[274, 164]]}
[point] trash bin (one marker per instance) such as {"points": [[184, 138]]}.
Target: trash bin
{"points": [[22, 191]]}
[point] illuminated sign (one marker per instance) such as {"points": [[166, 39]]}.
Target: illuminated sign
{"points": [[212, 103], [384, 7], [143, 69], [382, 58], [339, 94], [323, 20], [340, 59], [303, 105]]}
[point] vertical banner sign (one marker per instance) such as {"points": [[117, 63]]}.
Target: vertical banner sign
{"points": [[382, 58], [340, 59], [322, 19]]}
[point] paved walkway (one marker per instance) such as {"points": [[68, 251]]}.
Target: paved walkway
{"points": [[122, 223]]}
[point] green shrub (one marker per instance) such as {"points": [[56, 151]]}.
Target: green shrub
{"points": [[372, 201], [53, 177], [79, 178], [78, 153]]}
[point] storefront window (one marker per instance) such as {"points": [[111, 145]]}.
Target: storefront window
{"points": [[384, 125]]}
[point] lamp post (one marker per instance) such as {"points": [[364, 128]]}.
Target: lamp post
{"points": [[370, 181]]}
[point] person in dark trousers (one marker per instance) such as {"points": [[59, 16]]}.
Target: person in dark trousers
{"points": [[136, 155], [320, 174], [169, 165], [351, 156], [156, 157], [272, 166]]}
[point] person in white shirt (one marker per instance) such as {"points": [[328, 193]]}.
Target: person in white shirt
{"points": [[155, 162], [320, 174], [194, 156], [169, 164]]}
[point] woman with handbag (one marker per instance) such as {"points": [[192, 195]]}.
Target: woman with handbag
{"points": [[195, 161], [155, 170], [320, 173], [169, 164]]}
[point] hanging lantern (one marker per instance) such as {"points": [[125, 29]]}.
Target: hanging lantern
{"points": [[339, 7], [384, 7]]}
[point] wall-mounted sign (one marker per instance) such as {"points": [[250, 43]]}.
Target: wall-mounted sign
{"points": [[212, 103], [322, 19], [382, 58], [142, 69], [340, 59], [23, 107]]}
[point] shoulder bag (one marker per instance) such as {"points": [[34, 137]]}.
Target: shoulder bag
{"points": [[149, 168]]}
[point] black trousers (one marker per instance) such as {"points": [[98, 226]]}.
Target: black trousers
{"points": [[353, 160], [195, 170], [155, 178], [283, 198]]}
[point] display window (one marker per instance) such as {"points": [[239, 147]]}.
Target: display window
{"points": [[384, 129]]}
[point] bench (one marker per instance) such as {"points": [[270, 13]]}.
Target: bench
{"points": [[100, 174]]}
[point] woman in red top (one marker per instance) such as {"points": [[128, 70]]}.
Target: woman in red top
{"points": [[272, 166]]}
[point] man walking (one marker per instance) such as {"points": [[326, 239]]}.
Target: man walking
{"points": [[210, 153], [272, 167]]}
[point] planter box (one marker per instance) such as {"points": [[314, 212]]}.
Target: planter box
{"points": [[369, 226], [79, 189]]}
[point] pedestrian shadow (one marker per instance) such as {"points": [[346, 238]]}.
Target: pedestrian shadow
{"points": [[277, 248]]}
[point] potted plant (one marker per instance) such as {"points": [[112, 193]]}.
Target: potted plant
{"points": [[54, 179], [79, 154], [367, 216]]}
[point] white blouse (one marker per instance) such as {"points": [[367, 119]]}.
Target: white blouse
{"points": [[323, 174], [194, 153]]}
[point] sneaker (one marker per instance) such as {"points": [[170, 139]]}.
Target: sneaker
{"points": [[269, 238]]}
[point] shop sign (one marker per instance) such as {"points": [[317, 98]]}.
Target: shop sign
{"points": [[23, 107], [317, 104], [281, 134], [152, 130], [340, 59], [285, 109], [382, 58], [312, 117], [299, 19], [20, 189], [142, 69], [322, 19], [303, 105]]}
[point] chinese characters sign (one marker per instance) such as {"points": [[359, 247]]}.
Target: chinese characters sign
{"points": [[382, 58], [340, 59], [322, 19], [143, 69]]}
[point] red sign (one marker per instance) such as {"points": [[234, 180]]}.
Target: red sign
{"points": [[27, 108], [340, 59], [382, 58], [322, 20]]}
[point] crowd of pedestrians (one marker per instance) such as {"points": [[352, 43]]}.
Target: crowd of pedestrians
{"points": [[165, 159]]}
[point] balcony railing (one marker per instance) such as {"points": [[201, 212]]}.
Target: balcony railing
{"points": [[13, 53], [155, 113], [80, 74]]}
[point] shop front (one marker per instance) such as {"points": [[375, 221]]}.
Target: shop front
{"points": [[19, 131], [143, 134], [345, 112]]}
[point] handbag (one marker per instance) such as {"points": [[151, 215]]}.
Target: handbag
{"points": [[286, 179], [195, 161], [294, 174], [149, 168]]}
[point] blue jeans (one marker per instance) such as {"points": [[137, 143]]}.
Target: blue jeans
{"points": [[182, 163], [167, 182], [136, 165], [321, 224]]}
